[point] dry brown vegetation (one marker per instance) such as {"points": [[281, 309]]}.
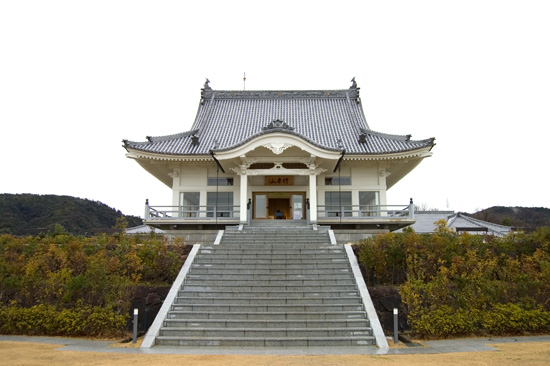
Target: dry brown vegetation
{"points": [[24, 353]]}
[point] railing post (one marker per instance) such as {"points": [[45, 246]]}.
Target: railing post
{"points": [[147, 211], [249, 209], [307, 211]]}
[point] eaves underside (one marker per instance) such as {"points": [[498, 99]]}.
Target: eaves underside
{"points": [[138, 154]]}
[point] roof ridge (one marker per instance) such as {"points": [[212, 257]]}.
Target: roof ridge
{"points": [[281, 94]]}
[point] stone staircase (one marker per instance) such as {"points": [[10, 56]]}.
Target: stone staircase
{"points": [[268, 286]]}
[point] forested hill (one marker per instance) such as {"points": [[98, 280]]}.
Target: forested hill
{"points": [[31, 214], [521, 217]]}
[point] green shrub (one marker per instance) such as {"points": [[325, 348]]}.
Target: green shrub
{"points": [[513, 319], [82, 284], [446, 322], [46, 320]]}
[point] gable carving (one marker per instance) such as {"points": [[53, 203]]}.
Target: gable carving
{"points": [[277, 147]]}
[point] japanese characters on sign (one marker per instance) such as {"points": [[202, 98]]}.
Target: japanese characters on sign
{"points": [[279, 180]]}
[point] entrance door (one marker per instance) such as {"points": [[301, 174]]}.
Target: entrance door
{"points": [[279, 205], [260, 206], [278, 208], [297, 206]]}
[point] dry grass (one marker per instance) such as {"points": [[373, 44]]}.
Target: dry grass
{"points": [[24, 353]]}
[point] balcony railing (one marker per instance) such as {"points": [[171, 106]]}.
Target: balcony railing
{"points": [[326, 214], [365, 212], [193, 213]]}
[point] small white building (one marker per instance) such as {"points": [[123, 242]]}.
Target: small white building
{"points": [[291, 155]]}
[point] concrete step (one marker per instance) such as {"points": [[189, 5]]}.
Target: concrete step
{"points": [[289, 261], [267, 324], [221, 282], [267, 288], [265, 332], [264, 286], [266, 308], [271, 250], [265, 341], [278, 243], [223, 265], [265, 301], [266, 237], [306, 293], [280, 247], [264, 315], [274, 237], [270, 277], [196, 270], [266, 256]]}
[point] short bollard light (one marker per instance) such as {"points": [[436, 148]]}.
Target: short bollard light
{"points": [[134, 336], [395, 326]]}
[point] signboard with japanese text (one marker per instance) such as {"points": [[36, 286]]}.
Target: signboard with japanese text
{"points": [[279, 180]]}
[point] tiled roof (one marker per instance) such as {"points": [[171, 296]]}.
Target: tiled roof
{"points": [[425, 223], [464, 222], [143, 229], [331, 119], [425, 220]]}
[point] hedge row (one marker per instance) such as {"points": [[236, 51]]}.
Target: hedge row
{"points": [[60, 284], [464, 284], [81, 320], [503, 319]]}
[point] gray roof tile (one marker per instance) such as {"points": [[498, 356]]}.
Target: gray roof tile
{"points": [[227, 119], [425, 223]]}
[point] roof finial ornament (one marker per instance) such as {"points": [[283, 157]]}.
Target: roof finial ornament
{"points": [[206, 86], [353, 84]]}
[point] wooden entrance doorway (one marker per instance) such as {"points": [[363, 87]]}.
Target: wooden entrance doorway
{"points": [[279, 205]]}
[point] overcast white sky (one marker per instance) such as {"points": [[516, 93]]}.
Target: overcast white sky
{"points": [[77, 77]]}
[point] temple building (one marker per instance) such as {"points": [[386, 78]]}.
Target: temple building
{"points": [[303, 155]]}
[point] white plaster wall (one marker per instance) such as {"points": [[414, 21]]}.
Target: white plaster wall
{"points": [[368, 177], [363, 178], [195, 179]]}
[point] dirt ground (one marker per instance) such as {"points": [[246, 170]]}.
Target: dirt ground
{"points": [[24, 353]]}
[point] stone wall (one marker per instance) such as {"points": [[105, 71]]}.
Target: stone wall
{"points": [[353, 236], [191, 237]]}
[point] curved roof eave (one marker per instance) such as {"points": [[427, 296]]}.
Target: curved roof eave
{"points": [[142, 154], [277, 130]]}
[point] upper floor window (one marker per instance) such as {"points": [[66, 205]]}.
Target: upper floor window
{"points": [[337, 181], [220, 181]]}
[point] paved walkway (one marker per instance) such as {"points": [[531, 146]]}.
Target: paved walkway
{"points": [[431, 347]]}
